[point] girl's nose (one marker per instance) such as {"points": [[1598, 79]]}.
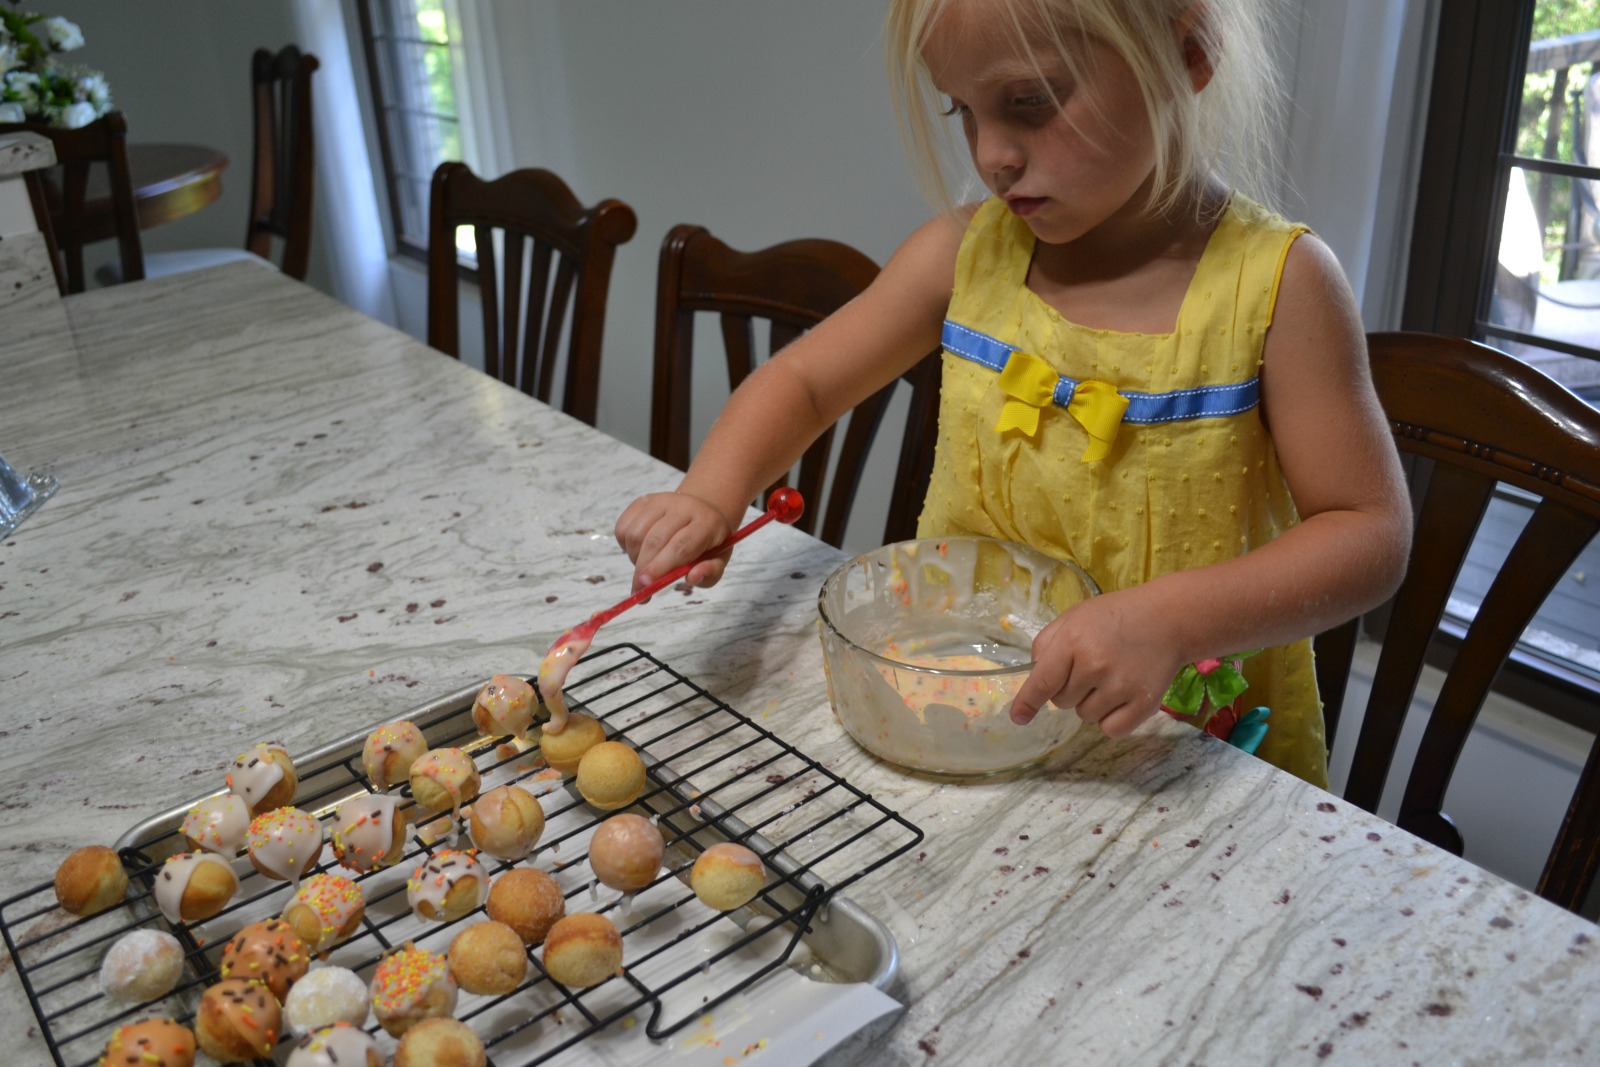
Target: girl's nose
{"points": [[994, 150]]}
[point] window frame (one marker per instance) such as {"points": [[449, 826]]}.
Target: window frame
{"points": [[1478, 66], [414, 248]]}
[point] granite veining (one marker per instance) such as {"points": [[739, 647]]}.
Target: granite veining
{"points": [[278, 519]]}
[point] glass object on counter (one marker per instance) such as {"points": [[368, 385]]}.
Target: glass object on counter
{"points": [[926, 642], [21, 495]]}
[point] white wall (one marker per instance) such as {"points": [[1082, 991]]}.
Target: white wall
{"points": [[180, 71], [762, 120]]}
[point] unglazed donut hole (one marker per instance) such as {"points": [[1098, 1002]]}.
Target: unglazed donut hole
{"points": [[91, 880], [444, 779], [727, 876], [582, 950], [528, 900], [269, 952], [410, 985], [151, 1043], [238, 1020], [440, 1043], [488, 958], [625, 852], [325, 997], [141, 965], [563, 751], [506, 822], [611, 775], [389, 752]]}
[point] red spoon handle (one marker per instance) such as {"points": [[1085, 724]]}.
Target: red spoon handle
{"points": [[784, 504]]}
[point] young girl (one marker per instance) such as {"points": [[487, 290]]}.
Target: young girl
{"points": [[1143, 370]]}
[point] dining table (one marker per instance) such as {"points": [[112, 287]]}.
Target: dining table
{"points": [[170, 181], [278, 518]]}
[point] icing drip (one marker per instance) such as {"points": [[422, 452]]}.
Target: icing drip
{"points": [[451, 769], [286, 842], [433, 880], [390, 751], [253, 774], [504, 706], [340, 1045], [218, 824], [364, 831], [174, 880], [553, 671]]}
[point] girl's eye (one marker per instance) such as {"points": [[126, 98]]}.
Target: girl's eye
{"points": [[956, 109], [1033, 102]]}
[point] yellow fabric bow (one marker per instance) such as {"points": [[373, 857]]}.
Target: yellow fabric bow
{"points": [[1029, 384]]}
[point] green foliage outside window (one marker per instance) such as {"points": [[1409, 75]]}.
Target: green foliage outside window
{"points": [[1553, 196]]}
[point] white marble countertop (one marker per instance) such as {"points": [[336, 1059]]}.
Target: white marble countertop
{"points": [[279, 519]]}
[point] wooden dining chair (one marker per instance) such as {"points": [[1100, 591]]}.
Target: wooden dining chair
{"points": [[788, 287], [1474, 420], [544, 272], [103, 142], [282, 175]]}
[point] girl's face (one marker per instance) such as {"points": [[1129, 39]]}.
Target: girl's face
{"points": [[1066, 153]]}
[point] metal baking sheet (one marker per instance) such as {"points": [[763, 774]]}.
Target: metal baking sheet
{"points": [[713, 775]]}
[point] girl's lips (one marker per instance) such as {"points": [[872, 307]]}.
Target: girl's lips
{"points": [[1024, 205]]}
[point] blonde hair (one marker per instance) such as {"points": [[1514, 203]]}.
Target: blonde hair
{"points": [[1228, 130]]}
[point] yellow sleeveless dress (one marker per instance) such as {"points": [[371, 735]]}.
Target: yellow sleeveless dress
{"points": [[1189, 475]]}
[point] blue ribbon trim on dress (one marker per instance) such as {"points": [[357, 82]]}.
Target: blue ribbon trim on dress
{"points": [[1144, 409]]}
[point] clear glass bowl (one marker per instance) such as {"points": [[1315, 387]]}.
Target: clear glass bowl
{"points": [[926, 643]]}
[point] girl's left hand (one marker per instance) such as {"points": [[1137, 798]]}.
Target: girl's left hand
{"points": [[1110, 657]]}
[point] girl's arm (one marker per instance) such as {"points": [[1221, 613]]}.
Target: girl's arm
{"points": [[1113, 656], [788, 402]]}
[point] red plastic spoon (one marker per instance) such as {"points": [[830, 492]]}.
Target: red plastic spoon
{"points": [[784, 504]]}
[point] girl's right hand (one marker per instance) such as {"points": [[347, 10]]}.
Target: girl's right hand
{"points": [[661, 531]]}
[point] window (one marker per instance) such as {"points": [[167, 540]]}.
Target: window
{"points": [[414, 61], [1506, 249]]}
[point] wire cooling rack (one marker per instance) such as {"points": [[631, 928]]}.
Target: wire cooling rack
{"points": [[714, 775]]}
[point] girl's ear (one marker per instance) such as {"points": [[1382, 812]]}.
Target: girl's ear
{"points": [[1197, 59]]}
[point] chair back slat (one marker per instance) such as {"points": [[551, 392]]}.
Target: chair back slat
{"points": [[738, 347], [101, 143], [1480, 425], [556, 289], [789, 288], [283, 177], [1574, 860], [489, 301], [860, 430], [1452, 509], [510, 325], [1540, 557], [560, 299]]}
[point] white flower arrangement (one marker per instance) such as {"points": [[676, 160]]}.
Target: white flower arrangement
{"points": [[33, 86]]}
